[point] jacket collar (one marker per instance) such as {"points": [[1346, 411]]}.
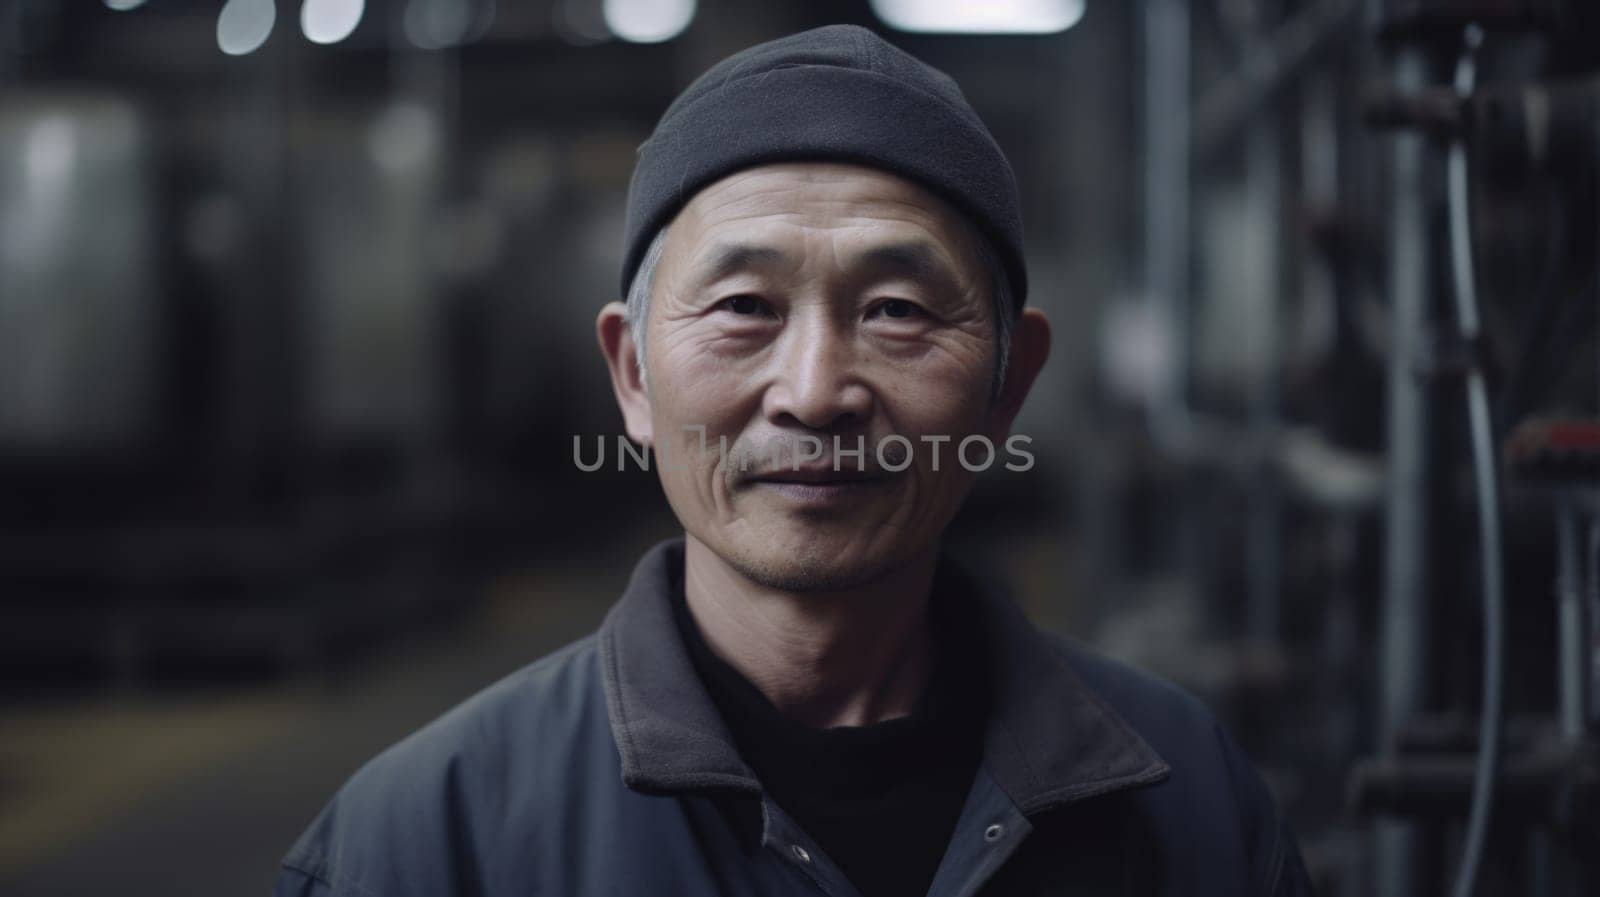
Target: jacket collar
{"points": [[1049, 740]]}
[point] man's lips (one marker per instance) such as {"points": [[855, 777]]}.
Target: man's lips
{"points": [[818, 489], [816, 476]]}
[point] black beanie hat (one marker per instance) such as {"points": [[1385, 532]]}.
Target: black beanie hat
{"points": [[838, 93]]}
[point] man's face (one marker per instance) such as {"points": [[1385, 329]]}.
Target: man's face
{"points": [[821, 300]]}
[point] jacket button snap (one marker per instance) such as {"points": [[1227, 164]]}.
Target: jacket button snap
{"points": [[993, 833], [800, 853]]}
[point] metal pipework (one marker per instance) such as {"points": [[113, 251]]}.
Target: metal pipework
{"points": [[1487, 487], [1403, 645]]}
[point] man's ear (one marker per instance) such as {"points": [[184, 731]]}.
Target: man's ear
{"points": [[1030, 346], [627, 381]]}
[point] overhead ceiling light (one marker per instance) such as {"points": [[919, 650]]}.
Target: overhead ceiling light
{"points": [[989, 17], [124, 5], [330, 21], [647, 21], [244, 25]]}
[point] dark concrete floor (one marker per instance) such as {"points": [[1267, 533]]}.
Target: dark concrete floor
{"points": [[158, 794]]}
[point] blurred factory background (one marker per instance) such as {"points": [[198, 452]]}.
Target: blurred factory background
{"points": [[296, 316]]}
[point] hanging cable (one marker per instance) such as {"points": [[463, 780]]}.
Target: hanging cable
{"points": [[1490, 719]]}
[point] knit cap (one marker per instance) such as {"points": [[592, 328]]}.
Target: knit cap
{"points": [[836, 93]]}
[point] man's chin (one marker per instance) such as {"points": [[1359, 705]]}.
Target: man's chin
{"points": [[809, 566]]}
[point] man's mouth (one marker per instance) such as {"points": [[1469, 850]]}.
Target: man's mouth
{"points": [[818, 487], [814, 475]]}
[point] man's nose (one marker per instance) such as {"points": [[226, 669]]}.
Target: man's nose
{"points": [[817, 384]]}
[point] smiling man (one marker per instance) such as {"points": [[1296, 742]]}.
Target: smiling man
{"points": [[824, 287]]}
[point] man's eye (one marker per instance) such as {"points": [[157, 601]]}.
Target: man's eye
{"points": [[742, 305], [899, 308]]}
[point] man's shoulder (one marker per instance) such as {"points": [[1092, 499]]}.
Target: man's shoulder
{"points": [[545, 698], [1159, 710], [460, 774], [1204, 759], [1212, 781]]}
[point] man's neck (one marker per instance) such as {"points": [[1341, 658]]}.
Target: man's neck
{"points": [[839, 658]]}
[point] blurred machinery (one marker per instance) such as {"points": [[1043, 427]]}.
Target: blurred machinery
{"points": [[1350, 208], [1525, 778], [274, 382]]}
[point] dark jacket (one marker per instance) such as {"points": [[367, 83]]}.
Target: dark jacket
{"points": [[604, 769]]}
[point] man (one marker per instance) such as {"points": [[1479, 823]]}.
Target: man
{"points": [[825, 286]]}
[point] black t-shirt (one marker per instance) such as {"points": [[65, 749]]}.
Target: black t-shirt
{"points": [[881, 799]]}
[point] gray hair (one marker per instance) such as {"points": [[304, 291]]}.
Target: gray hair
{"points": [[1000, 287]]}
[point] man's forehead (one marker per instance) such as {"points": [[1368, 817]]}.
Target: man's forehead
{"points": [[747, 219]]}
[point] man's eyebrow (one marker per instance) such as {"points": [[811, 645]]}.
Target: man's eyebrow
{"points": [[916, 259], [730, 258]]}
